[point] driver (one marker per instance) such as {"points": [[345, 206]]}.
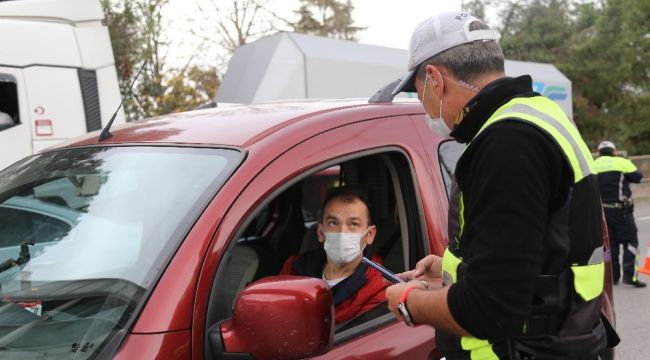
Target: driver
{"points": [[345, 230]]}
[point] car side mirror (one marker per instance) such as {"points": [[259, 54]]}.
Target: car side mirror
{"points": [[286, 317]]}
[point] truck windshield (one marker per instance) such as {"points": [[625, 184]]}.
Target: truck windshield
{"points": [[84, 234]]}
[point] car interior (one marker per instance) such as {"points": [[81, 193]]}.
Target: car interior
{"points": [[285, 225]]}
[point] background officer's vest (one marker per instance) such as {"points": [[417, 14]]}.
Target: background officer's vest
{"points": [[567, 321]]}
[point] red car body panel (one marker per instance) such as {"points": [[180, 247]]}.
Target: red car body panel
{"points": [[412, 343], [280, 141], [170, 345]]}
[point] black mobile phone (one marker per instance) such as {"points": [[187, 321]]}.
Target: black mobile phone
{"points": [[387, 274]]}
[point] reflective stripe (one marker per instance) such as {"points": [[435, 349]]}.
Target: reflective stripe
{"points": [[478, 349], [588, 280], [631, 248], [620, 187], [611, 163], [597, 256], [461, 215], [450, 265], [606, 164], [555, 123]]}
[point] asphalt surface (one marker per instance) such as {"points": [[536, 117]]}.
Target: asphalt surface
{"points": [[633, 305]]}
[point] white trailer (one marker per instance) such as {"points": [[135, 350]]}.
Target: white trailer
{"points": [[297, 66], [57, 74]]}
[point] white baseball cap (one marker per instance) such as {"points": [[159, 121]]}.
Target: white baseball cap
{"points": [[606, 144], [436, 34]]}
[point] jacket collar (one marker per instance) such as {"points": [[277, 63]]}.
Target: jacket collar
{"points": [[312, 264], [479, 108]]}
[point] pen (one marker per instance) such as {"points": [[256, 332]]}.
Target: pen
{"points": [[387, 274]]}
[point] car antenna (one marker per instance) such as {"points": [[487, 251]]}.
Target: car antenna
{"points": [[106, 133]]}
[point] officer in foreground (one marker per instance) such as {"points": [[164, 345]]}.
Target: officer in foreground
{"points": [[614, 176], [523, 271]]}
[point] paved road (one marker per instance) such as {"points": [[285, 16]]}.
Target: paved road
{"points": [[633, 305]]}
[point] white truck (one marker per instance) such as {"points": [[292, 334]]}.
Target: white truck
{"points": [[297, 66], [57, 74]]}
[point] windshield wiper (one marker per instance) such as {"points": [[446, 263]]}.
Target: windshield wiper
{"points": [[23, 257]]}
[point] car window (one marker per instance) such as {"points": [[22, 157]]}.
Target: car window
{"points": [[285, 225], [84, 234], [18, 225], [9, 114], [449, 152]]}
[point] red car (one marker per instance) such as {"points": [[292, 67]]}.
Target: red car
{"points": [[165, 241]]}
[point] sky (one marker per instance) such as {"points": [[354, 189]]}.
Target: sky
{"points": [[388, 23]]}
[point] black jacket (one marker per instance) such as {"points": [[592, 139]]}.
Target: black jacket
{"points": [[524, 224], [520, 160]]}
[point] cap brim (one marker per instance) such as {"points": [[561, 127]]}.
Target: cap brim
{"points": [[407, 82]]}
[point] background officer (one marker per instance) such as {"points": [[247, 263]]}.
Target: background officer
{"points": [[614, 176]]}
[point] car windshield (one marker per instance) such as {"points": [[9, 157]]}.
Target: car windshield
{"points": [[83, 235]]}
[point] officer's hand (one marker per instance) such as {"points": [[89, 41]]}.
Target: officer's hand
{"points": [[394, 292], [428, 269]]}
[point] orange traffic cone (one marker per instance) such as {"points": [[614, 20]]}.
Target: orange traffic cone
{"points": [[646, 267]]}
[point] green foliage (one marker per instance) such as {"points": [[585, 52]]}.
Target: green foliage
{"points": [[546, 25], [186, 90], [135, 28], [136, 31], [330, 18], [603, 47], [126, 38], [475, 7]]}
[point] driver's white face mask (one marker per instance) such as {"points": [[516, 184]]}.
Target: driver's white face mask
{"points": [[437, 125], [342, 248]]}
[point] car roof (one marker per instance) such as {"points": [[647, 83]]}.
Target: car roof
{"points": [[242, 125]]}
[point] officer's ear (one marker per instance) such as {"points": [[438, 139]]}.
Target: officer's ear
{"points": [[435, 77]]}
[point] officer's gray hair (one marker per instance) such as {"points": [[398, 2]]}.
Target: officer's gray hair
{"points": [[468, 61]]}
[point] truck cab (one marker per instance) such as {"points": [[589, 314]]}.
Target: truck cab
{"points": [[57, 74]]}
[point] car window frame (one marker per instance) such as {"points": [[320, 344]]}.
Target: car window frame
{"points": [[414, 229], [446, 171]]}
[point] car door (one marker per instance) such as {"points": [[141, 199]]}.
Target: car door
{"points": [[381, 337]]}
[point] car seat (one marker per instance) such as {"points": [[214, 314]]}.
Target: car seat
{"points": [[287, 238], [242, 268], [280, 235]]}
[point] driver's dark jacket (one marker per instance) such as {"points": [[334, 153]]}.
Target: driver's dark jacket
{"points": [[514, 179], [358, 293]]}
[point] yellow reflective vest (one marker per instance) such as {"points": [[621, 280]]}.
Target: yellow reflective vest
{"points": [[585, 275]]}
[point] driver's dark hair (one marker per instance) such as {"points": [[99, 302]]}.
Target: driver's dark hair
{"points": [[347, 194]]}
